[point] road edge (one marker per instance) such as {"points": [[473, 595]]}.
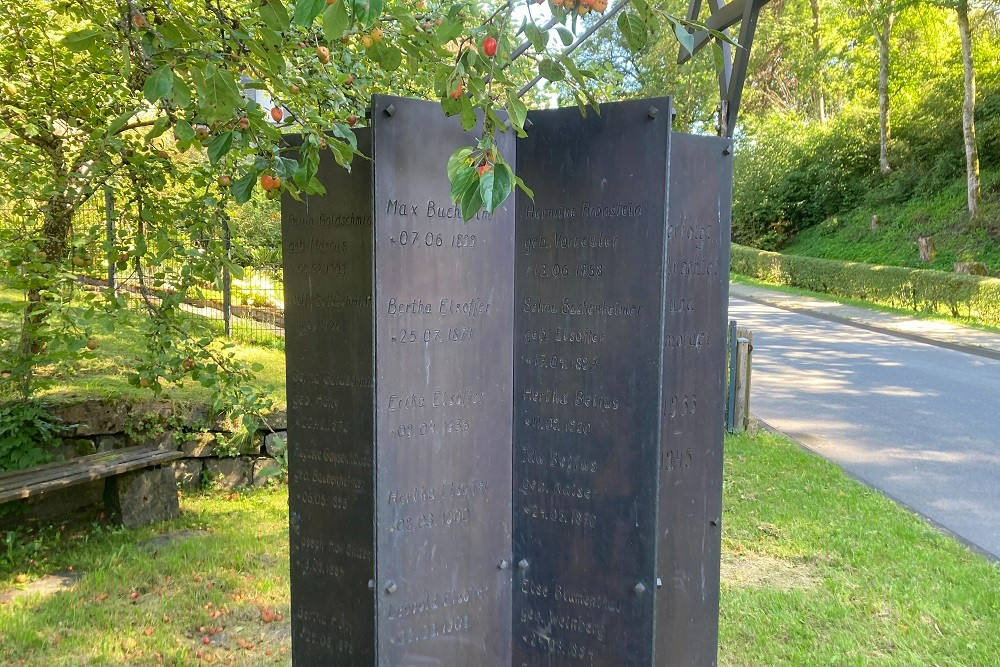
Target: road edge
{"points": [[875, 328], [941, 528]]}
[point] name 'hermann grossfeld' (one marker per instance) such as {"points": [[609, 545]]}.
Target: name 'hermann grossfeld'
{"points": [[588, 211]]}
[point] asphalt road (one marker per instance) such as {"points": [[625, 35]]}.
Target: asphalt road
{"points": [[919, 422]]}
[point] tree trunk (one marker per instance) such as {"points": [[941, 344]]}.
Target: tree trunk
{"points": [[819, 96], [927, 250], [883, 39], [969, 110], [55, 231]]}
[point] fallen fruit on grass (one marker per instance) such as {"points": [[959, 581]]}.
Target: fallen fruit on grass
{"points": [[21, 579], [147, 631], [267, 616], [206, 640], [134, 595]]}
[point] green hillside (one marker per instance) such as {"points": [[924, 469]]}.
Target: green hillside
{"points": [[940, 215]]}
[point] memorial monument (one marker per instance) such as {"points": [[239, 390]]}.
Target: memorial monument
{"points": [[506, 435]]}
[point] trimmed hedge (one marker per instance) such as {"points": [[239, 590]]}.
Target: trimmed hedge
{"points": [[921, 290]]}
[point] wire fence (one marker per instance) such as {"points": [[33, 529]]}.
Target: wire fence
{"points": [[250, 305]]}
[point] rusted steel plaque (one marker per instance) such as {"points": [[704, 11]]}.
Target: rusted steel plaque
{"points": [[694, 355], [327, 250], [588, 325], [444, 355]]}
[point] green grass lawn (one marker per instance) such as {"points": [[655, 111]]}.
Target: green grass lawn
{"points": [[823, 570], [105, 372], [818, 570]]}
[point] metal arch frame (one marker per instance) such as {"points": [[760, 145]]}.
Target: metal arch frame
{"points": [[732, 76]]}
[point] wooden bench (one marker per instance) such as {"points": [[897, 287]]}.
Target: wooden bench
{"points": [[140, 486]]}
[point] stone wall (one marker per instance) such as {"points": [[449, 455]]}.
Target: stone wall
{"points": [[94, 426]]}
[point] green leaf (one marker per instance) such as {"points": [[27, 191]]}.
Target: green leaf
{"points": [[471, 202], [465, 178], [685, 38], [314, 187], [448, 30], [503, 185], [524, 188], [366, 12], [538, 39], [391, 57], [468, 113], [518, 112], [234, 268], [243, 187], [171, 34], [565, 35], [219, 146], [184, 131], [81, 40], [486, 182], [181, 93], [159, 84], [633, 29], [218, 93], [306, 11], [718, 56], [274, 15], [551, 70], [118, 123], [336, 20], [457, 162], [269, 37], [159, 127]]}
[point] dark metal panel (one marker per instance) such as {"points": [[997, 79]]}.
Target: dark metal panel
{"points": [[443, 299], [588, 300], [687, 605], [327, 248]]}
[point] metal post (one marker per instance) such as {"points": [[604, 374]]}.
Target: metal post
{"points": [[109, 221], [227, 278], [731, 408], [743, 365]]}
